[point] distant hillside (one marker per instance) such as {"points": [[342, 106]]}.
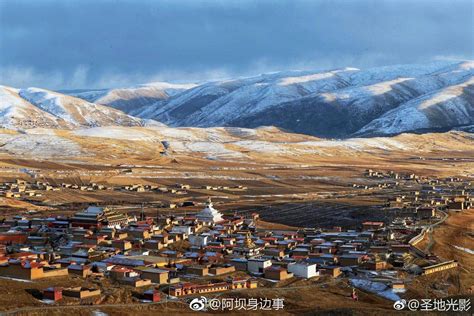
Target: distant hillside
{"points": [[134, 99], [338, 103], [33, 107], [112, 144]]}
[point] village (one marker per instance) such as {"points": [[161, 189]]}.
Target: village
{"points": [[177, 256], [33, 191]]}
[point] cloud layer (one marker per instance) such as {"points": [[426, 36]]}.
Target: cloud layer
{"points": [[96, 44]]}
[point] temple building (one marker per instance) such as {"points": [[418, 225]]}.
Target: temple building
{"points": [[209, 214], [248, 247], [95, 216]]}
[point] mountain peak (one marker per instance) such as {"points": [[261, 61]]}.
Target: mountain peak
{"points": [[36, 107]]}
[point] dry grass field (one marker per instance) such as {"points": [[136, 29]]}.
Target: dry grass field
{"points": [[288, 190]]}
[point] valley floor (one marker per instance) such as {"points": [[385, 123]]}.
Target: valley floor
{"points": [[288, 191]]}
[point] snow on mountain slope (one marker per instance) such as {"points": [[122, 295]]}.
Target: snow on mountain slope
{"points": [[331, 104], [134, 99], [17, 112], [387, 73], [187, 102], [75, 111], [445, 108], [335, 104], [217, 103], [342, 112]]}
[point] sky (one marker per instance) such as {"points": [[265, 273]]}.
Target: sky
{"points": [[68, 44]]}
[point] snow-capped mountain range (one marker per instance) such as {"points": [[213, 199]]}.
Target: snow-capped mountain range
{"points": [[34, 107], [338, 103], [130, 99]]}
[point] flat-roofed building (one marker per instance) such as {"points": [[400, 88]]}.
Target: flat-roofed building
{"points": [[277, 273], [158, 276], [258, 265], [303, 269]]}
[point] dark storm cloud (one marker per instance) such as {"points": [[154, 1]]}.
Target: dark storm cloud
{"points": [[76, 44]]}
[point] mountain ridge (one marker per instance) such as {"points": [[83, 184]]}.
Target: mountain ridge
{"points": [[338, 103], [335, 103]]}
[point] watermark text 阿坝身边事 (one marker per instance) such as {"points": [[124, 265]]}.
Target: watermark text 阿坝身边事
{"points": [[233, 304]]}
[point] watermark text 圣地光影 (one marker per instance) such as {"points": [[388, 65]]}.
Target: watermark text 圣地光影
{"points": [[434, 305]]}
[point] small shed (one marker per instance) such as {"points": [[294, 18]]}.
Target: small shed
{"points": [[53, 293], [152, 295]]}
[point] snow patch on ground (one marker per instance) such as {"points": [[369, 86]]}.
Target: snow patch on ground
{"points": [[14, 279], [36, 145], [261, 146], [360, 144], [116, 132], [178, 133], [378, 288], [40, 131], [469, 251], [213, 150]]}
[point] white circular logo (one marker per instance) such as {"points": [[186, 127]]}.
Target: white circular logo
{"points": [[399, 305], [198, 303]]}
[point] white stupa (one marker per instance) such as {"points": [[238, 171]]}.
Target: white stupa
{"points": [[209, 214]]}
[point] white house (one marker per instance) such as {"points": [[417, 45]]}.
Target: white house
{"points": [[182, 230], [199, 240], [258, 265], [302, 269]]}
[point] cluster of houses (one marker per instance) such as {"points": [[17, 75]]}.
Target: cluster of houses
{"points": [[22, 189], [85, 187], [25, 189], [423, 202], [425, 194], [183, 255], [179, 188], [391, 175]]}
